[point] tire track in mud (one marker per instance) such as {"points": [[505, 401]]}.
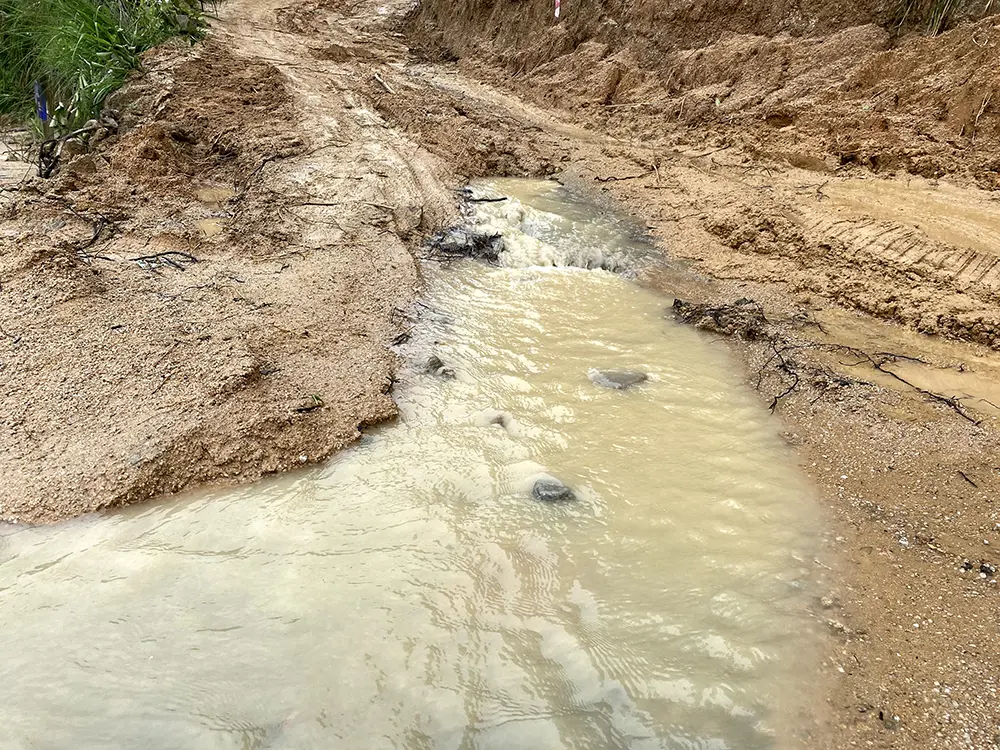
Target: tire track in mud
{"points": [[897, 272], [910, 251], [771, 230]]}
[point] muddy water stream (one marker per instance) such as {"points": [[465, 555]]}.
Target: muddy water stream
{"points": [[412, 594]]}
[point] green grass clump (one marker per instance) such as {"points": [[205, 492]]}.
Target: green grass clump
{"points": [[80, 50]]}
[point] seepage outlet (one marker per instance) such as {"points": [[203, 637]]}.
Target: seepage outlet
{"points": [[412, 593]]}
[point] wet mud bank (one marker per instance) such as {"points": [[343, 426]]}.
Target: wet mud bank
{"points": [[910, 483], [210, 295]]}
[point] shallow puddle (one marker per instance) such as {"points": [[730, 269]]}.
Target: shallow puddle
{"points": [[412, 594], [962, 371], [214, 196], [209, 227]]}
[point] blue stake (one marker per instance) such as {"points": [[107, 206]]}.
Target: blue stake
{"points": [[41, 106]]}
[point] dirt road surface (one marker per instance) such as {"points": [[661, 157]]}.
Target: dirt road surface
{"points": [[214, 292]]}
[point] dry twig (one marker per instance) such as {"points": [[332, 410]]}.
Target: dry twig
{"points": [[384, 85]]}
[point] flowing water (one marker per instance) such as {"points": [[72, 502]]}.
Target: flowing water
{"points": [[411, 593]]}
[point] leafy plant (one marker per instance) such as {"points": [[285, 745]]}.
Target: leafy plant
{"points": [[76, 52]]}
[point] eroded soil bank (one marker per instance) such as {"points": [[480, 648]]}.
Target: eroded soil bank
{"points": [[214, 292]]}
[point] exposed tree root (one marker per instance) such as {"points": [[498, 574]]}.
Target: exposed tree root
{"points": [[745, 319]]}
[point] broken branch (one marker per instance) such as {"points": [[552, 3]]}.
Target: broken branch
{"points": [[615, 178], [384, 85]]}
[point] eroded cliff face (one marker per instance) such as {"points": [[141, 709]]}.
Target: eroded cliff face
{"points": [[825, 84], [653, 29]]}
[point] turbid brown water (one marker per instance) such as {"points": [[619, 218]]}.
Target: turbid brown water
{"points": [[412, 594]]}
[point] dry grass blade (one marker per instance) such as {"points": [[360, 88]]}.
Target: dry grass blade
{"points": [[982, 108]]}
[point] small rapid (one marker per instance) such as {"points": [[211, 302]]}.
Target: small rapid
{"points": [[411, 593]]}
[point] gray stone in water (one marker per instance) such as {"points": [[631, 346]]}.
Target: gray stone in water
{"points": [[552, 491], [435, 366], [459, 241], [618, 379], [503, 419]]}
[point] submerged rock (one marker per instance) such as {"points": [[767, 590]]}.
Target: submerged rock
{"points": [[503, 419], [618, 379], [496, 417], [435, 366], [550, 490], [467, 243]]}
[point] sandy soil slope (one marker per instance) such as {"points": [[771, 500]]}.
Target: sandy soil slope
{"points": [[213, 294]]}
